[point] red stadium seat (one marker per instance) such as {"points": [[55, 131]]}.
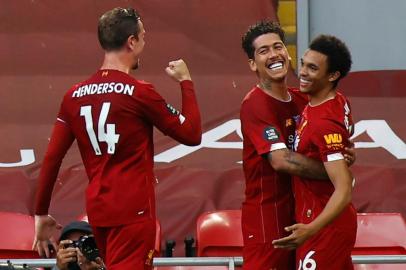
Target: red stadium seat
{"points": [[219, 234], [380, 234], [16, 236]]}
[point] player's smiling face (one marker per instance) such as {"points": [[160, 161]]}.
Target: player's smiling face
{"points": [[314, 75], [271, 58]]}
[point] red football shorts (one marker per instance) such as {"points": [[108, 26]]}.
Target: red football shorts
{"points": [[262, 256], [328, 250], [129, 246]]}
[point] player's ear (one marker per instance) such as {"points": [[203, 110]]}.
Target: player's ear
{"points": [[252, 64], [131, 42], [334, 76]]}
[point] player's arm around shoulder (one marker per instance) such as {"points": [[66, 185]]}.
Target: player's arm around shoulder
{"points": [[285, 160]]}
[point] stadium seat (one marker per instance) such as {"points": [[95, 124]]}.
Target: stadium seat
{"points": [[16, 236], [219, 234], [158, 235], [380, 234]]}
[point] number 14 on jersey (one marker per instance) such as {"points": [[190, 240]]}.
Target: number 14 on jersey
{"points": [[107, 134]]}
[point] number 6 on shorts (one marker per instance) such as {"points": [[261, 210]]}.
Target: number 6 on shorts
{"points": [[308, 263]]}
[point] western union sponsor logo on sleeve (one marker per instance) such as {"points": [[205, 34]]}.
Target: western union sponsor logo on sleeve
{"points": [[333, 138]]}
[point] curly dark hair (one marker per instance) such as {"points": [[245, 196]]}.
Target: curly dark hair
{"points": [[338, 54], [116, 25], [259, 29]]}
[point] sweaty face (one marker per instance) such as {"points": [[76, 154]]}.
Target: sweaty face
{"points": [[139, 45], [313, 73], [271, 58]]}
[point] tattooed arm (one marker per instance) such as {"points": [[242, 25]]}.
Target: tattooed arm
{"points": [[293, 163]]}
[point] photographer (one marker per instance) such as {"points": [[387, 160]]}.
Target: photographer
{"points": [[69, 255]]}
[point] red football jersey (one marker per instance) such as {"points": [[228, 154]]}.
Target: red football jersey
{"points": [[267, 124], [112, 115], [323, 133]]}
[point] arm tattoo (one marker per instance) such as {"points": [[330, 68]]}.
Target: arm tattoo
{"points": [[290, 157]]}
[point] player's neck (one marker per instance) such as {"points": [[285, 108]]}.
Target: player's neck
{"points": [[276, 90], [321, 96], [116, 61]]}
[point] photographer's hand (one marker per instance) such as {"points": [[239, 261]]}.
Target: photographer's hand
{"points": [[85, 264], [65, 255]]}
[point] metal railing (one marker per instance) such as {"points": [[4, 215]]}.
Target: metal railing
{"points": [[231, 262]]}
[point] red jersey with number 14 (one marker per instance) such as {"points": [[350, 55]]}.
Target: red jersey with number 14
{"points": [[112, 115]]}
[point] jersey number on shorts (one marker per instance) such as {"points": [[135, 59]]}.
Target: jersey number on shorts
{"points": [[308, 263], [107, 135]]}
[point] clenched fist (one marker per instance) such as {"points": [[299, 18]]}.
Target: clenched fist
{"points": [[178, 70]]}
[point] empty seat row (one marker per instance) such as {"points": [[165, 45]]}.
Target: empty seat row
{"points": [[218, 234]]}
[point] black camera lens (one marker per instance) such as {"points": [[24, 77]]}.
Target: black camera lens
{"points": [[87, 245], [74, 244]]}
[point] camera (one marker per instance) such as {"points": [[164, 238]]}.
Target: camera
{"points": [[86, 245]]}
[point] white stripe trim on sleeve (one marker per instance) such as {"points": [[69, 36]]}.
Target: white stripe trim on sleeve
{"points": [[60, 120], [277, 146], [335, 156], [181, 119]]}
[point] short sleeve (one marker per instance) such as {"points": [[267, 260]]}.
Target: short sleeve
{"points": [[330, 138], [261, 128]]}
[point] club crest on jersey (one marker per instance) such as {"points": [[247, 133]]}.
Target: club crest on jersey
{"points": [[172, 110], [296, 118], [271, 134]]}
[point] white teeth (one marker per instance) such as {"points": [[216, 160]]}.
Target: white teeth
{"points": [[304, 81], [275, 66]]}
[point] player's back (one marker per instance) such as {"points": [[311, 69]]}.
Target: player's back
{"points": [[106, 114]]}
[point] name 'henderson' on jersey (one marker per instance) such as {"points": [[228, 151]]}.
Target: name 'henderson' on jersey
{"points": [[112, 115], [103, 88]]}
